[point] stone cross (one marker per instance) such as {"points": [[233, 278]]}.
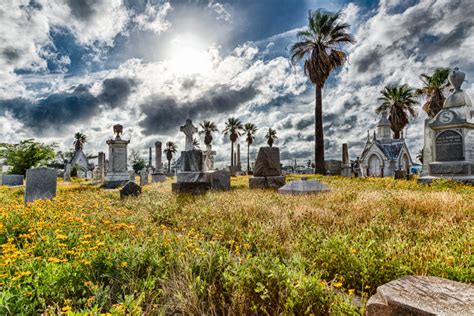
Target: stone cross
{"points": [[188, 129]]}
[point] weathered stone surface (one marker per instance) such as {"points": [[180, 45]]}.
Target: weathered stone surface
{"points": [[422, 295], [449, 146], [41, 184], [333, 167], [191, 160], [274, 182], [130, 189], [218, 179], [191, 187], [158, 177], [117, 173], [11, 180], [143, 177], [268, 162], [303, 187], [449, 168]]}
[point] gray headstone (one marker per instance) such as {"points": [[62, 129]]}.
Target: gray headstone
{"points": [[130, 189], [268, 162], [422, 295], [11, 179], [192, 160], [41, 184], [143, 177], [303, 187]]}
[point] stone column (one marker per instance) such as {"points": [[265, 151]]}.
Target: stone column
{"points": [[158, 154], [238, 155], [101, 166], [346, 163], [149, 157]]}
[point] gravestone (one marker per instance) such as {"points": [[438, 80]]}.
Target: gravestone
{"points": [[267, 170], [100, 170], [41, 184], [193, 175], [158, 175], [449, 137], [11, 180], [346, 163], [423, 296], [117, 173], [67, 171], [143, 177], [303, 186], [130, 189]]}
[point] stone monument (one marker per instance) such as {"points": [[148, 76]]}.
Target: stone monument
{"points": [[11, 180], [346, 163], [99, 172], [130, 189], [143, 177], [267, 170], [449, 137], [158, 175], [192, 176], [41, 184], [303, 186], [117, 173]]}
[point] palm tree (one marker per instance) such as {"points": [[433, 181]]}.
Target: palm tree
{"points": [[321, 48], [433, 89], [271, 136], [233, 128], [171, 148], [207, 128], [79, 140], [399, 102], [249, 129], [196, 144]]}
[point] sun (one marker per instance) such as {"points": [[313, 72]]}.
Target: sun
{"points": [[189, 55]]}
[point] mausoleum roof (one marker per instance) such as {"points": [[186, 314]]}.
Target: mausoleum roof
{"points": [[392, 148]]}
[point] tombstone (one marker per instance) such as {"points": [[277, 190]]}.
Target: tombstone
{"points": [[194, 174], [143, 177], [11, 180], [117, 173], [422, 295], [333, 167], [346, 170], [67, 171], [89, 175], [130, 189], [158, 175], [267, 170], [100, 170], [449, 138], [41, 184], [303, 186]]}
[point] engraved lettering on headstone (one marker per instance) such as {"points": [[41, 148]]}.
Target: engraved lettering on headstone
{"points": [[449, 146]]}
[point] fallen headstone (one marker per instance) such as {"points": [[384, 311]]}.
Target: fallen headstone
{"points": [[130, 189], [423, 296], [303, 186], [41, 184]]}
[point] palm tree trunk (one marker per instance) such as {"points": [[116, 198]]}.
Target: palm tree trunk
{"points": [[231, 153], [248, 158], [169, 166], [320, 167], [396, 134]]}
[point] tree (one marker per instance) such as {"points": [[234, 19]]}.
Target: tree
{"points": [[399, 102], [233, 128], [138, 163], [196, 145], [433, 90], [250, 130], [320, 46], [27, 154], [207, 128], [271, 136], [79, 140], [171, 148]]}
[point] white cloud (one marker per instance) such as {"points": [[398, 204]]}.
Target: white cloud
{"points": [[154, 18]]}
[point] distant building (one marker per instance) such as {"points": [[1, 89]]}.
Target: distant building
{"points": [[383, 155]]}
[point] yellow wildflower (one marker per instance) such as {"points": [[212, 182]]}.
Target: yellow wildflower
{"points": [[337, 285], [66, 309], [351, 291], [124, 264], [61, 237]]}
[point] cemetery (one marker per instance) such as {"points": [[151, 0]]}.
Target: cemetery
{"points": [[195, 206]]}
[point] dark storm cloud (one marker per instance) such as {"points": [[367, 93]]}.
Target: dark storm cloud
{"points": [[83, 9], [11, 54], [304, 123], [166, 114], [58, 110], [115, 91], [371, 59], [53, 112]]}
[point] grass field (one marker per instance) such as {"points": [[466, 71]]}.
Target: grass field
{"points": [[237, 252]]}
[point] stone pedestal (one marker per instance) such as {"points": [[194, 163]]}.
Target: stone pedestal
{"points": [[117, 173], [422, 295], [272, 182]]}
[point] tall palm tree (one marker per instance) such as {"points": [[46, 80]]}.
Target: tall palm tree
{"points": [[79, 140], [433, 90], [250, 130], [196, 145], [233, 128], [171, 148], [271, 136], [207, 127], [320, 46], [399, 102]]}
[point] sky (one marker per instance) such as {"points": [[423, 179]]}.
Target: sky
{"points": [[85, 65]]}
